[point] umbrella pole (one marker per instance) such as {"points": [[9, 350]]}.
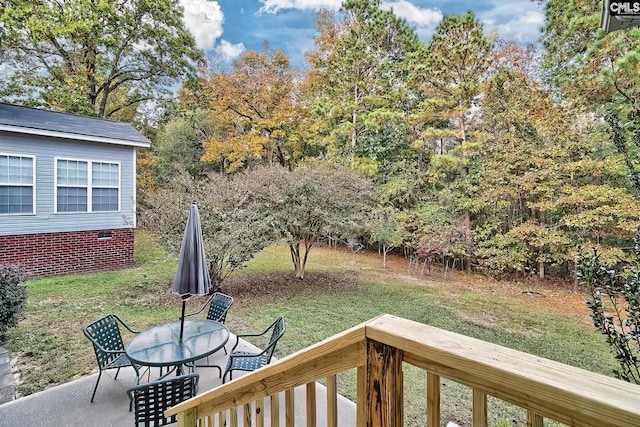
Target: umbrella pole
{"points": [[184, 302]]}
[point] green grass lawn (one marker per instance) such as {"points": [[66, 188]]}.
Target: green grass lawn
{"points": [[339, 291]]}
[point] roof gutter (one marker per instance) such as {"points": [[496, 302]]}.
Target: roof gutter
{"points": [[66, 135]]}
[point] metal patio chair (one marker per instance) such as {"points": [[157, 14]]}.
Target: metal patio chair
{"points": [[219, 305], [108, 346], [250, 361], [150, 400]]}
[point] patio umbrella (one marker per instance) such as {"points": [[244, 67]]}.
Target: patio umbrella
{"points": [[192, 275]]}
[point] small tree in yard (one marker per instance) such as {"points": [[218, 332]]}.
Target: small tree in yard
{"points": [[614, 300], [385, 230], [312, 201], [13, 297], [232, 227]]}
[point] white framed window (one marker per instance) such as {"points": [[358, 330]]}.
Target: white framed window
{"points": [[72, 185], [105, 187], [87, 186], [17, 184]]}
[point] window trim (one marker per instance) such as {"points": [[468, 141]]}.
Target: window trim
{"points": [[89, 186], [33, 184]]}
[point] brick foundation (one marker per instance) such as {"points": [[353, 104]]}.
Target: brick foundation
{"points": [[54, 254]]}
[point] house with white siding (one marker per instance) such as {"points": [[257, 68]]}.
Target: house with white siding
{"points": [[67, 191]]}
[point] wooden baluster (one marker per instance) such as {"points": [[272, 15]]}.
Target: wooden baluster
{"points": [[188, 418], [222, 419], [384, 386], [311, 404], [260, 412], [534, 420], [332, 401], [479, 409], [275, 410], [361, 397], [233, 417], [290, 410], [247, 415], [433, 400]]}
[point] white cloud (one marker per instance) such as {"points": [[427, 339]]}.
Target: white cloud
{"points": [[229, 51], [422, 17], [273, 6], [524, 28], [517, 21], [204, 19]]}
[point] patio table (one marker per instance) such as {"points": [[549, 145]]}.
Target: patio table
{"points": [[161, 346]]}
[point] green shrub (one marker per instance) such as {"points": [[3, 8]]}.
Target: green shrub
{"points": [[614, 300], [13, 297]]}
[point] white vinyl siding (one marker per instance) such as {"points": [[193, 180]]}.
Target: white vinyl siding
{"points": [[45, 153], [17, 182], [87, 186]]}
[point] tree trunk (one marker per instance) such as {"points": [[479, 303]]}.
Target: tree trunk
{"points": [[299, 260], [295, 257], [467, 240], [467, 214], [354, 117], [90, 63], [354, 137], [541, 269]]}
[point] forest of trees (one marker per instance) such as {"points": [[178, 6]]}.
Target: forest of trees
{"points": [[506, 158]]}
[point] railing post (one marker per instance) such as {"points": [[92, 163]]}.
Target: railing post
{"points": [[384, 386]]}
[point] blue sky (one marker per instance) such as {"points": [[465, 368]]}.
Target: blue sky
{"points": [[227, 28]]}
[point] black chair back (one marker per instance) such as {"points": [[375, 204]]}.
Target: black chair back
{"points": [[220, 305], [108, 346], [152, 399], [276, 334], [105, 332]]}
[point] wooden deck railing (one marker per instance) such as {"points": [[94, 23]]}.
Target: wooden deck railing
{"points": [[377, 348]]}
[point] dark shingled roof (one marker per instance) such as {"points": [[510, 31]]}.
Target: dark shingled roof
{"points": [[44, 120]]}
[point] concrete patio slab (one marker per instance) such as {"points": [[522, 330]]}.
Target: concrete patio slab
{"points": [[68, 405], [7, 389]]}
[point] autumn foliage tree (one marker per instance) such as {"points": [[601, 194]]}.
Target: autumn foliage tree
{"points": [[255, 113], [548, 185]]}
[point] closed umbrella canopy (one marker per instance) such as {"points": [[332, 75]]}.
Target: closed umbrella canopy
{"points": [[192, 275]]}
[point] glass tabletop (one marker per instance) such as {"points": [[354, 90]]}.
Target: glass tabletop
{"points": [[161, 345]]}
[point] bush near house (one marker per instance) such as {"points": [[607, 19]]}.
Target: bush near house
{"points": [[13, 297]]}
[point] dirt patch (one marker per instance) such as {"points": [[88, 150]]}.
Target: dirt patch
{"points": [[558, 295]]}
